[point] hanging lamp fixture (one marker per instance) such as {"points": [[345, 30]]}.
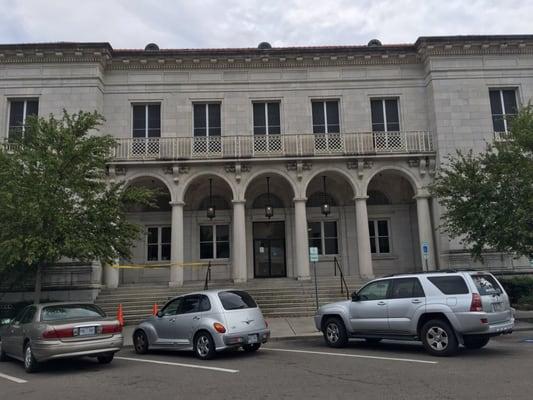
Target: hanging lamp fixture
{"points": [[211, 208], [269, 210], [325, 208]]}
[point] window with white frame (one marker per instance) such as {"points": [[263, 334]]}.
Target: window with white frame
{"points": [[379, 230], [146, 120], [385, 115], [207, 121], [323, 235], [214, 241], [158, 243], [266, 118], [19, 110], [325, 116], [503, 105]]}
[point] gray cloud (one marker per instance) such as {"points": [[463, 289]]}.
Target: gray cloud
{"points": [[244, 23]]}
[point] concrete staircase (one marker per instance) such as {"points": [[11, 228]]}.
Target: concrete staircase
{"points": [[276, 297]]}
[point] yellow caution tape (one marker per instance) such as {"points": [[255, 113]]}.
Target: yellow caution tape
{"points": [[183, 264]]}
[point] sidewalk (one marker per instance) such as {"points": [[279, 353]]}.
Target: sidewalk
{"points": [[294, 328]]}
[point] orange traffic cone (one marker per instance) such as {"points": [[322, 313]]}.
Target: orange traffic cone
{"points": [[120, 315], [154, 309]]}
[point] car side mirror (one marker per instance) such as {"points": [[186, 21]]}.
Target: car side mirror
{"points": [[355, 296], [159, 314]]}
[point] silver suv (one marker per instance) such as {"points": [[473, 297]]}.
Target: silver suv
{"points": [[442, 309]]}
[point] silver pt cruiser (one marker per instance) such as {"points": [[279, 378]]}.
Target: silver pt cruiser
{"points": [[205, 322]]}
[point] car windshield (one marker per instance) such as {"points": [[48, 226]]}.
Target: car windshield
{"points": [[71, 311], [486, 285], [236, 300]]}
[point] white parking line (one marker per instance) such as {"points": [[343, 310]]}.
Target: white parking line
{"points": [[12, 378], [324, 353], [231, 371]]}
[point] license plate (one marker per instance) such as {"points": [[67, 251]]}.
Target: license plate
{"points": [[497, 307], [86, 331], [252, 338]]}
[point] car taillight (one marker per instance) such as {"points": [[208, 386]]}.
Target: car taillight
{"points": [[108, 329], [219, 327], [55, 333], [476, 303]]}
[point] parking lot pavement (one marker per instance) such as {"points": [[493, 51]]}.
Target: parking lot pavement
{"points": [[294, 369]]}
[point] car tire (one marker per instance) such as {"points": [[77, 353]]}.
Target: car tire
{"points": [[475, 342], [30, 363], [140, 342], [250, 348], [335, 333], [3, 355], [204, 346], [105, 358], [373, 340], [439, 338]]}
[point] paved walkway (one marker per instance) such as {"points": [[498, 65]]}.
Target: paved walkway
{"points": [[287, 328]]}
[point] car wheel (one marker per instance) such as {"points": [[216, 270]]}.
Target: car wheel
{"points": [[140, 342], [335, 333], [30, 363], [373, 340], [3, 355], [475, 342], [439, 338], [250, 348], [204, 346], [105, 358]]}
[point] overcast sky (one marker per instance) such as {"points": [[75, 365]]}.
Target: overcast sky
{"points": [[245, 23]]}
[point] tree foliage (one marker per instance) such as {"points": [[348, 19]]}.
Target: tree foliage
{"points": [[55, 200], [488, 197]]}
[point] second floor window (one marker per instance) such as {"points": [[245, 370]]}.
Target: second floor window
{"points": [[326, 116], [385, 115], [19, 110], [146, 120], [323, 235], [158, 243], [214, 241], [379, 236], [266, 118], [502, 105], [207, 119]]}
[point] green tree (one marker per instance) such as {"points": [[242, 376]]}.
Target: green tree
{"points": [[55, 200], [488, 197]]}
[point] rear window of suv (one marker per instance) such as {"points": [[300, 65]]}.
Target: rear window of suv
{"points": [[236, 300], [486, 285], [449, 284]]}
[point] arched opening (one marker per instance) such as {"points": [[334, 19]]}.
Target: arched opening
{"points": [[392, 223], [331, 221], [153, 247], [269, 206], [207, 220]]}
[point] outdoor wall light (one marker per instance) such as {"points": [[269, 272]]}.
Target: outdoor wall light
{"points": [[325, 208]]}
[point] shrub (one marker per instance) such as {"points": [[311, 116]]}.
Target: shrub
{"points": [[519, 289]]}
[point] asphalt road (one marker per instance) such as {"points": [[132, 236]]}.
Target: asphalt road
{"points": [[295, 369]]}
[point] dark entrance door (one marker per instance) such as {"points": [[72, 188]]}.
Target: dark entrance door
{"points": [[269, 249]]}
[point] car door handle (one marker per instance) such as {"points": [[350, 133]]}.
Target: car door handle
{"points": [[196, 318], [416, 301], [382, 303]]}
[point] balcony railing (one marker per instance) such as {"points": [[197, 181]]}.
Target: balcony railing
{"points": [[272, 146]]}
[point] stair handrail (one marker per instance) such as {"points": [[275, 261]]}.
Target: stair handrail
{"points": [[207, 276], [337, 266]]}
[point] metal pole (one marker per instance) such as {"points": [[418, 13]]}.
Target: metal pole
{"points": [[316, 285]]}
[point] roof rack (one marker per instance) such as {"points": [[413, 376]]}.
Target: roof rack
{"points": [[438, 271]]}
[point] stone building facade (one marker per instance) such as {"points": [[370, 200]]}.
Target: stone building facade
{"points": [[226, 133]]}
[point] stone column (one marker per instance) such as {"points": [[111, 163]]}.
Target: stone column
{"points": [[176, 246], [111, 275], [301, 241], [363, 238], [425, 231], [239, 261]]}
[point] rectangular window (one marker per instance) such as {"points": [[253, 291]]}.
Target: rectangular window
{"points": [[385, 115], [158, 243], [207, 121], [214, 241], [379, 231], [323, 235], [266, 118], [19, 110], [503, 105], [450, 284], [146, 120], [326, 116]]}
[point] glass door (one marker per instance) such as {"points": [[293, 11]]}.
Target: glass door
{"points": [[269, 249]]}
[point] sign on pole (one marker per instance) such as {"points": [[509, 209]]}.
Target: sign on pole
{"points": [[425, 250], [313, 254]]}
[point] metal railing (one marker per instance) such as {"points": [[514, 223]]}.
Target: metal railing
{"points": [[344, 285], [264, 146], [207, 276]]}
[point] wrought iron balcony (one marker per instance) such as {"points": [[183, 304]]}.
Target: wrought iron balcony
{"points": [[273, 146]]}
